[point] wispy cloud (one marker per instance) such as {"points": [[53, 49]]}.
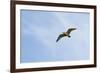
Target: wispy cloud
{"points": [[48, 35]]}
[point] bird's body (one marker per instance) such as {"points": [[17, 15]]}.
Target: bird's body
{"points": [[65, 34]]}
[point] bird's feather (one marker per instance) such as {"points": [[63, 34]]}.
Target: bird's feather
{"points": [[59, 37], [70, 29]]}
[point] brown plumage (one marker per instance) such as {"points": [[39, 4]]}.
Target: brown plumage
{"points": [[65, 34]]}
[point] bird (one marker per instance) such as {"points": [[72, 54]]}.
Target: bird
{"points": [[65, 34]]}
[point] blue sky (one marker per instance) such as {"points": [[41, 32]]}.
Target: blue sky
{"points": [[40, 29]]}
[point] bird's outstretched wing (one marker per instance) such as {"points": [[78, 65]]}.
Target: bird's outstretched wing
{"points": [[59, 37], [70, 29]]}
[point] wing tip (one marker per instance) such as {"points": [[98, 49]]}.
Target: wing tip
{"points": [[56, 41]]}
